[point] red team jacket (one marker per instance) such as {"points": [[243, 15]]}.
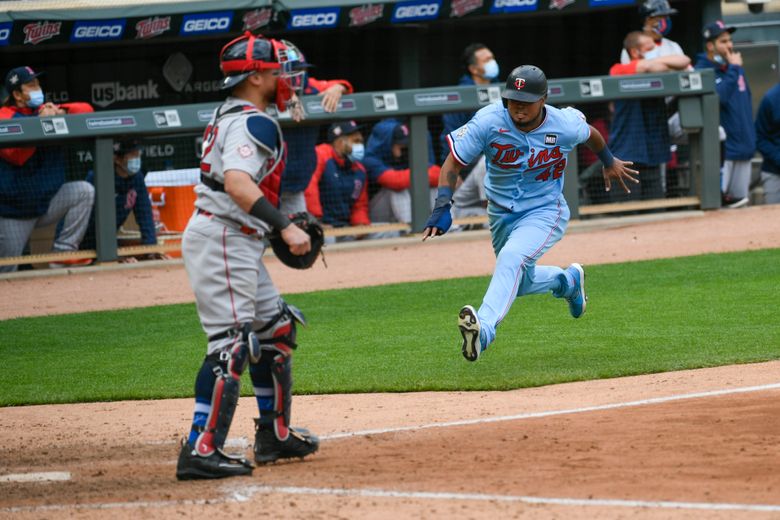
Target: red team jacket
{"points": [[338, 191]]}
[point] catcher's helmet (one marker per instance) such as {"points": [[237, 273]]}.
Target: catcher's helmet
{"points": [[656, 8], [526, 83], [249, 53]]}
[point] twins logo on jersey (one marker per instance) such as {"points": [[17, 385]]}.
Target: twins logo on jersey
{"points": [[549, 162], [546, 163], [506, 156]]}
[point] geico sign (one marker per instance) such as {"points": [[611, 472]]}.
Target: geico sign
{"points": [[99, 31], [5, 34], [207, 24], [514, 3], [416, 11], [310, 20]]}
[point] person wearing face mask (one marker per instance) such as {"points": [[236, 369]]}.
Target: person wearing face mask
{"points": [[338, 191], [33, 191], [389, 173], [657, 24], [736, 112], [480, 68], [639, 131], [130, 195]]}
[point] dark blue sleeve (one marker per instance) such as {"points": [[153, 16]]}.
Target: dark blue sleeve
{"points": [[728, 84], [375, 167], [768, 129], [143, 212]]}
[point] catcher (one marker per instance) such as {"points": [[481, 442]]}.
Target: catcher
{"points": [[245, 319]]}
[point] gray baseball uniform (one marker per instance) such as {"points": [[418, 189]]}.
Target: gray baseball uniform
{"points": [[222, 246]]}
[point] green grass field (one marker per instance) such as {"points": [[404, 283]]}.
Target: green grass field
{"points": [[642, 317]]}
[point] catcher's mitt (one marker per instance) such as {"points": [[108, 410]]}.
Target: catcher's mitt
{"points": [[313, 228]]}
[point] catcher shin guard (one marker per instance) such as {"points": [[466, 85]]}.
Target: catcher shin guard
{"points": [[228, 365], [277, 342], [274, 438]]}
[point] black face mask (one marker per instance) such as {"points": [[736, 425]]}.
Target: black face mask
{"points": [[401, 163]]}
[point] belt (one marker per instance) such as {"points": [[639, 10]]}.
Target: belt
{"points": [[244, 229]]}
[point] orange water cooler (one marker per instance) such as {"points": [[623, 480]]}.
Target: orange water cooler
{"points": [[173, 201]]}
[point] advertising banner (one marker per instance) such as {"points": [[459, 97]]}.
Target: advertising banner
{"points": [[277, 19]]}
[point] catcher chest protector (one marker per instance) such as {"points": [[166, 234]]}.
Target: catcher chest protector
{"points": [[277, 342], [227, 365]]}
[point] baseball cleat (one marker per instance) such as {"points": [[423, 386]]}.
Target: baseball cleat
{"points": [[578, 299], [268, 448], [468, 323], [192, 466]]}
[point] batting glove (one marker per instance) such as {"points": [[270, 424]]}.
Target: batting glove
{"points": [[440, 218]]}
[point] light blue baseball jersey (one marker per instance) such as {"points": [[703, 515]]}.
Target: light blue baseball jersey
{"points": [[524, 170]]}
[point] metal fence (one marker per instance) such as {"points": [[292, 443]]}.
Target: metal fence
{"points": [[82, 146]]}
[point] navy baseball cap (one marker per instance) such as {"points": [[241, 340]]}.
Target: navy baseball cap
{"points": [[715, 29], [18, 77], [341, 128], [401, 135], [125, 146]]}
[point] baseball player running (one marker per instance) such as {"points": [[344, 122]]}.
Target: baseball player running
{"points": [[246, 321], [526, 143]]}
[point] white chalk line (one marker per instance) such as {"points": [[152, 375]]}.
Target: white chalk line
{"points": [[47, 476], [244, 493], [117, 505], [535, 415], [243, 442], [241, 495]]}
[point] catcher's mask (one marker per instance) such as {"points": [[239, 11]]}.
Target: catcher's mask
{"points": [[248, 54]]}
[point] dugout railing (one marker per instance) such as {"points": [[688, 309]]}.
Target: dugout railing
{"points": [[693, 94]]}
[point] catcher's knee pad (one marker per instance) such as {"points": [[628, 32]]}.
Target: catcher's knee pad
{"points": [[279, 333], [227, 367]]}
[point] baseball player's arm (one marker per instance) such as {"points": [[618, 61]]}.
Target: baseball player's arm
{"points": [[143, 213], [441, 219], [614, 168], [247, 195], [331, 92], [664, 63]]}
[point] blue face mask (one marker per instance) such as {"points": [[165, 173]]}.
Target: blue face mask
{"points": [[491, 70], [36, 98], [663, 26], [358, 152], [133, 165]]}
